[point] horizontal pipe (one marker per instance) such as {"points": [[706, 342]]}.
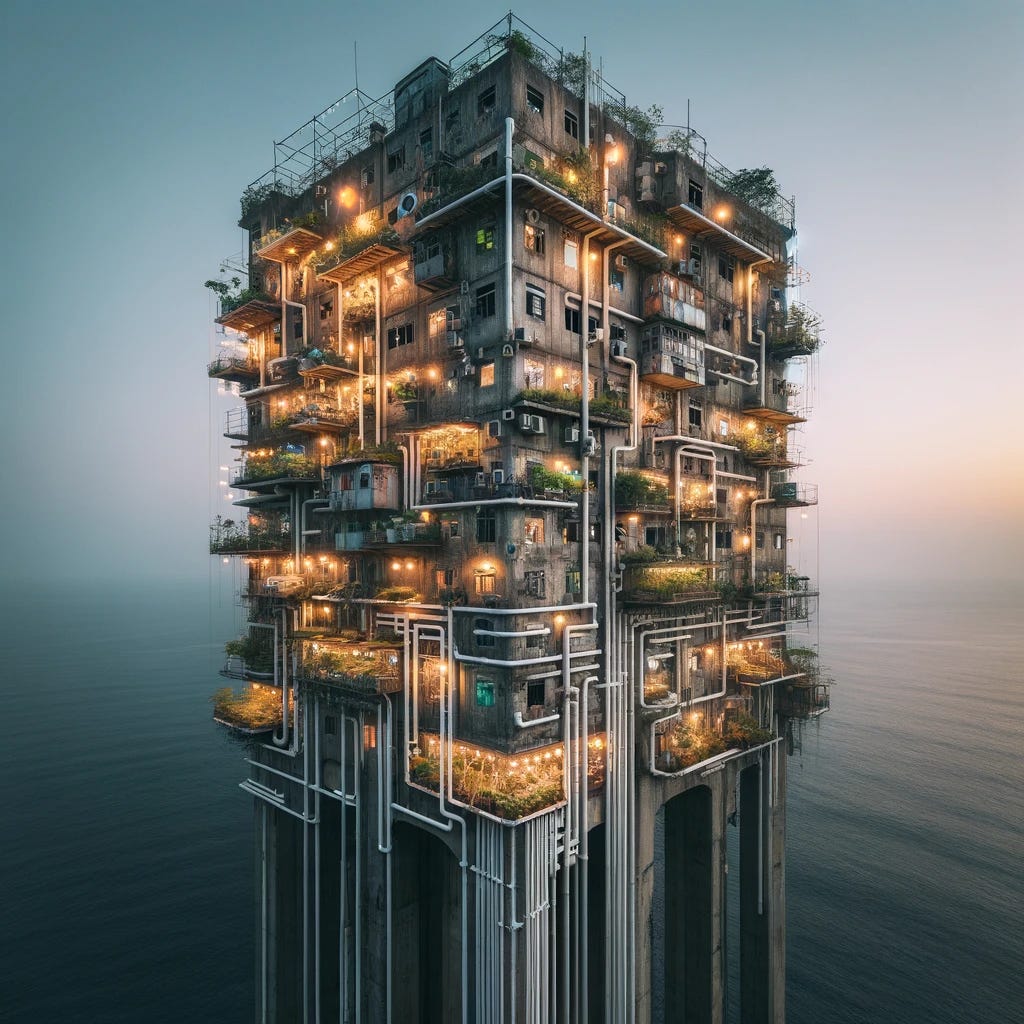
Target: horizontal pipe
{"points": [[522, 724]]}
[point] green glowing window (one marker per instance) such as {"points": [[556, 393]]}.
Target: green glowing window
{"points": [[485, 238], [485, 693]]}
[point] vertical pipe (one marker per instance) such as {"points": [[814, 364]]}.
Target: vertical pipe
{"points": [[509, 320]]}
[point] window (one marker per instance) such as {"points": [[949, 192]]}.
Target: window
{"points": [[533, 531], [489, 161], [447, 318], [485, 580], [486, 102], [695, 194], [572, 125], [366, 176], [723, 538], [534, 100], [536, 304], [453, 527], [616, 278], [721, 495], [697, 256], [573, 581], [535, 693], [427, 144], [485, 693], [486, 625], [726, 267], [451, 121], [330, 725], [535, 638], [326, 308], [777, 542], [723, 428], [487, 375], [486, 526], [396, 160], [365, 480], [572, 320], [401, 335], [485, 238], [759, 538], [485, 301], [533, 239], [534, 582], [533, 373], [571, 253], [696, 414], [571, 532]]}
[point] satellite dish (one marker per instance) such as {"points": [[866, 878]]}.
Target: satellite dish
{"points": [[407, 204]]}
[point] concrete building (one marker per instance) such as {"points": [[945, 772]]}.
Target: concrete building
{"points": [[515, 449]]}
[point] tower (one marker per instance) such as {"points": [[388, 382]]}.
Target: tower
{"points": [[516, 450]]}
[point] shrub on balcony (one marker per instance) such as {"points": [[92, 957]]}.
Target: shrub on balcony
{"points": [[543, 479], [256, 708], [403, 594], [743, 731], [635, 489]]}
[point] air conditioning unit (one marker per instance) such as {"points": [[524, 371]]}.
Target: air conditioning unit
{"points": [[455, 324], [660, 168], [530, 424], [463, 287], [597, 334], [480, 480], [508, 351], [590, 447], [571, 435], [498, 477], [532, 216], [480, 352], [519, 334], [456, 340], [693, 267], [508, 414], [467, 370], [494, 428], [621, 262], [619, 348]]}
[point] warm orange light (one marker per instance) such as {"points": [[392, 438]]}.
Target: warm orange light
{"points": [[347, 196], [722, 213], [292, 250], [571, 177], [328, 246]]}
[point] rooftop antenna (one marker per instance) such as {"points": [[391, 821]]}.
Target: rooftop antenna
{"points": [[359, 97]]}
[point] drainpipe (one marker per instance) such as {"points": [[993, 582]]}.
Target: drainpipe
{"points": [[750, 318], [407, 494], [285, 302], [302, 519], [509, 323], [378, 369], [586, 96], [585, 415], [753, 527]]}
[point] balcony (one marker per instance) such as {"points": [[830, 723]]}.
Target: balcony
{"points": [[323, 416], [668, 297], [364, 485], [794, 495], [405, 535], [288, 246], [250, 312], [252, 711], [699, 736], [669, 581], [797, 334], [638, 492], [263, 467], [240, 369], [776, 406], [435, 273], [363, 247], [368, 666], [768, 447]]}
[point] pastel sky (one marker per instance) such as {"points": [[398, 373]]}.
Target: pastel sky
{"points": [[131, 128]]}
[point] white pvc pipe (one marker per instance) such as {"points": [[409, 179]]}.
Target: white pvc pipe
{"points": [[509, 321]]}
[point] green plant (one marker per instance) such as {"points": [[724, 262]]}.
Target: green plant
{"points": [[635, 489], [742, 731], [256, 653], [255, 196], [543, 479], [643, 554], [642, 123], [404, 391], [256, 708], [610, 407], [404, 594], [754, 185]]}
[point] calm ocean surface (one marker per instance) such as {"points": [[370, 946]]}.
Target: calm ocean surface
{"points": [[126, 859]]}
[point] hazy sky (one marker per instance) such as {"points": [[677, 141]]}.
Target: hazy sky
{"points": [[131, 128]]}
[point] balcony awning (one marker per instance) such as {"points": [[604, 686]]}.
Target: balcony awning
{"points": [[550, 201], [777, 417], [692, 221], [292, 246], [251, 316], [365, 260]]}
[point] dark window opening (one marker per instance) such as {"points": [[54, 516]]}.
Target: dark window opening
{"points": [[572, 125], [695, 194], [486, 101], [572, 320], [535, 694], [485, 301], [396, 160], [536, 303], [484, 624], [486, 526], [534, 100]]}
